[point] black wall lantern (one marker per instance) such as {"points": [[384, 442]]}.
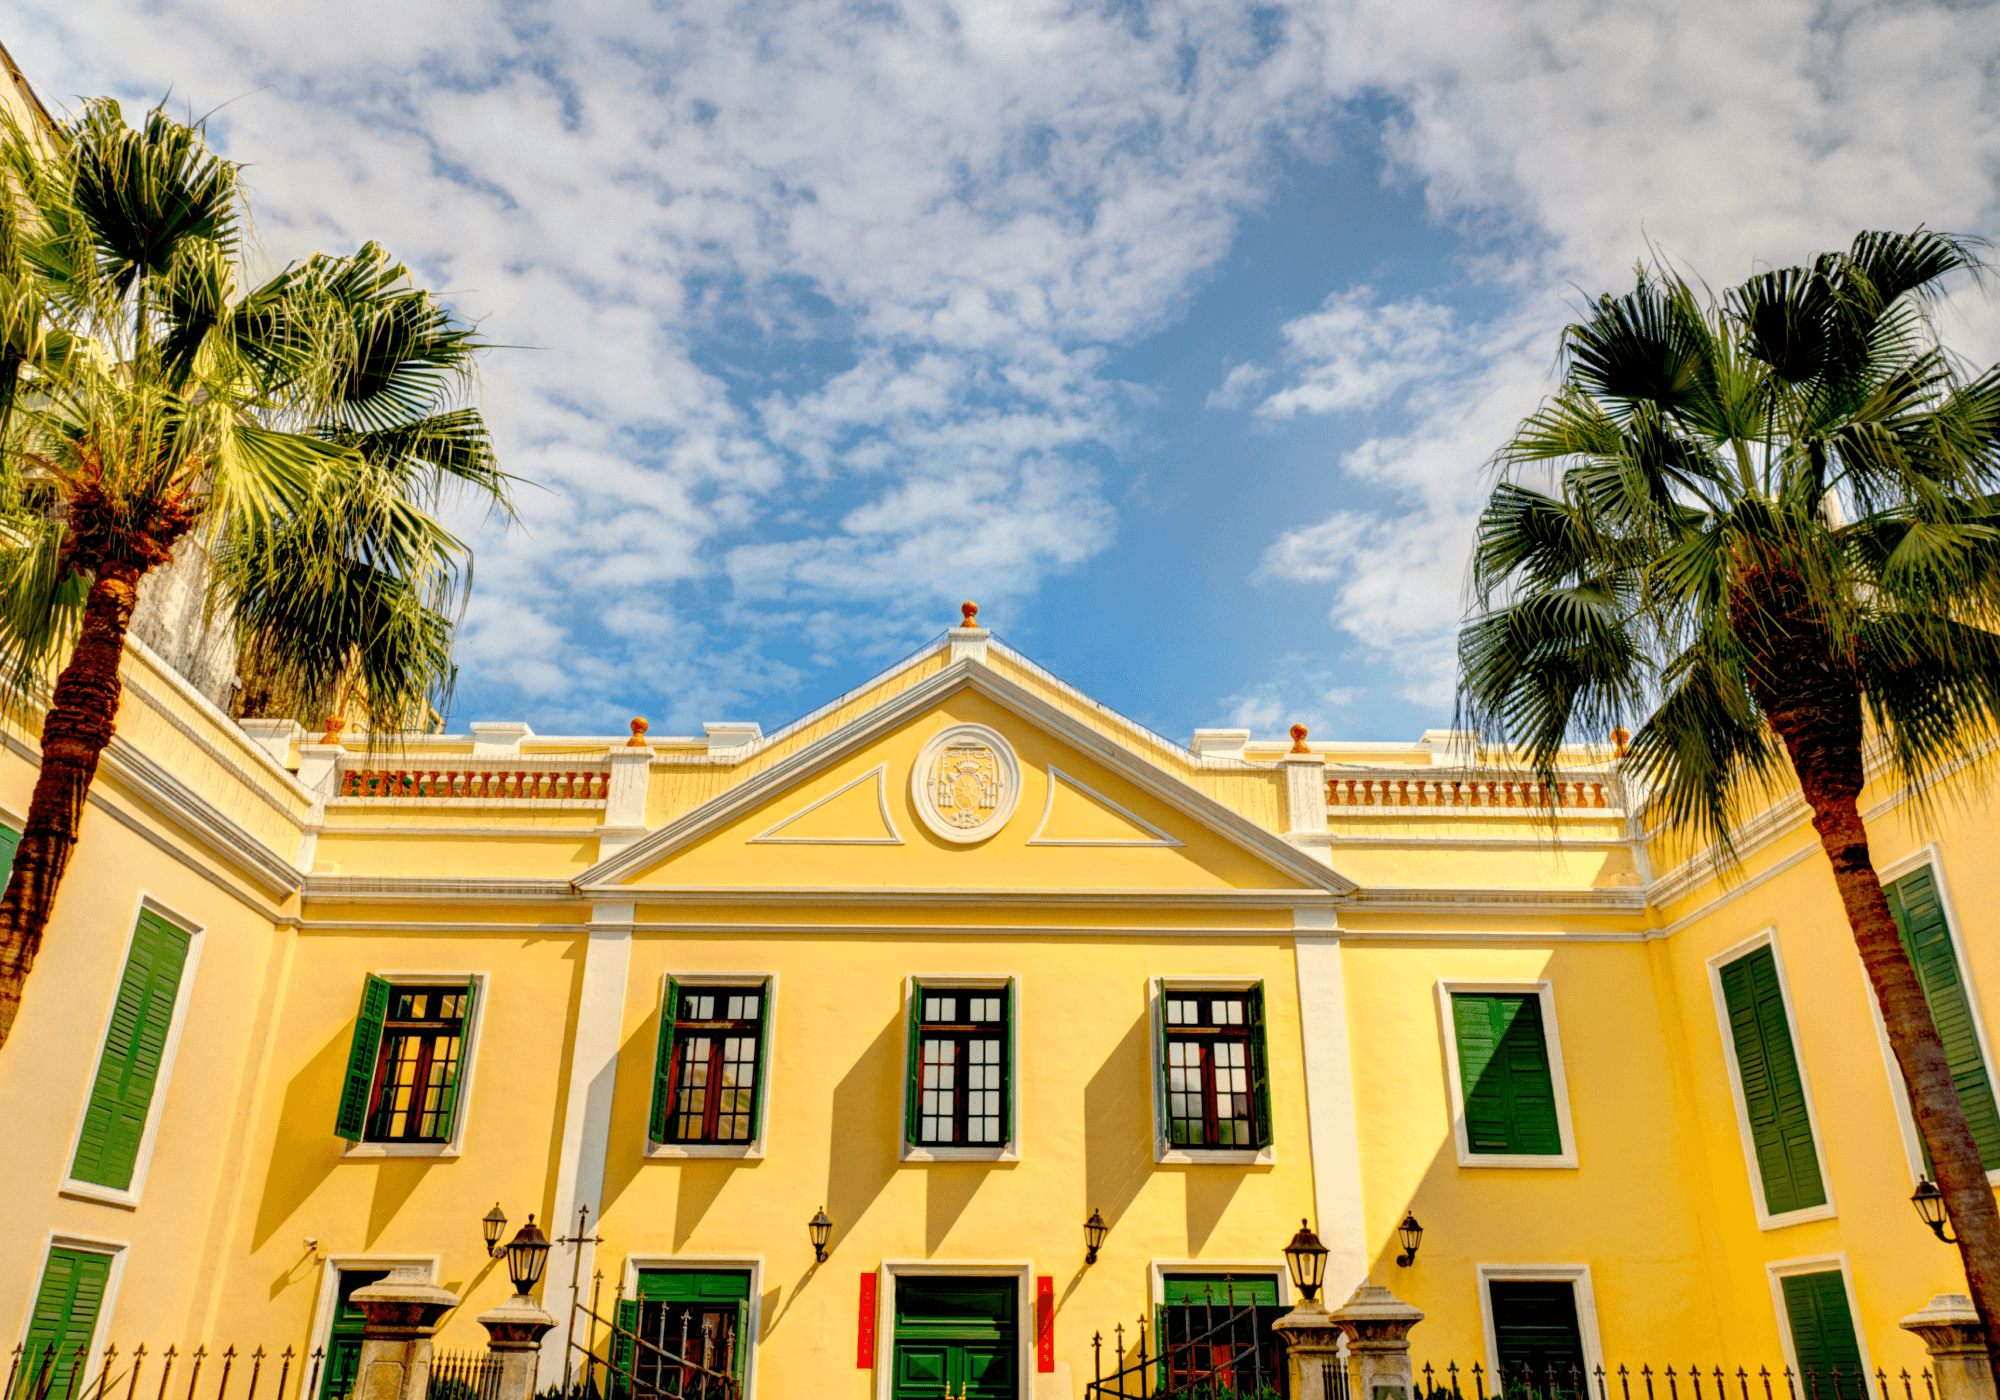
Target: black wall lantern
{"points": [[1307, 1258], [1929, 1202], [1094, 1231], [1412, 1235], [495, 1225], [821, 1229], [527, 1255]]}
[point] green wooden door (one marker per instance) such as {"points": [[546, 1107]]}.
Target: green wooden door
{"points": [[1536, 1334], [957, 1337], [343, 1343], [1823, 1337], [65, 1315]]}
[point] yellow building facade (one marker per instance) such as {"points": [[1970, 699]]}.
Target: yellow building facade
{"points": [[959, 959]]}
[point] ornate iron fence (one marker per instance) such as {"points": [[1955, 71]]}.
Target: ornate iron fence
{"points": [[635, 1368], [464, 1375], [73, 1373], [1221, 1353], [1694, 1382]]}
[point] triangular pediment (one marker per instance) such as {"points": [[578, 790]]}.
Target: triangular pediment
{"points": [[965, 781]]}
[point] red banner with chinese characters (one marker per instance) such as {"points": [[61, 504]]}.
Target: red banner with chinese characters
{"points": [[1045, 1323], [864, 1333]]}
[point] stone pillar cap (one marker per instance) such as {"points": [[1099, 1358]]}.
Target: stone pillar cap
{"points": [[1374, 1303], [1945, 1310], [518, 1309], [406, 1284]]}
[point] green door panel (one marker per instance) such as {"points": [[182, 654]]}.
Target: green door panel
{"points": [[1823, 1335], [1535, 1326], [693, 1285], [958, 1337], [1221, 1289], [922, 1369], [65, 1315], [956, 1303]]}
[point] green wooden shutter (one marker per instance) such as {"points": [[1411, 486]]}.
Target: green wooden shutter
{"points": [[663, 1064], [1919, 914], [1774, 1097], [121, 1097], [623, 1352], [913, 1067], [10, 841], [763, 1061], [1823, 1335], [1260, 1069], [1160, 1106], [65, 1315], [1503, 1070], [361, 1056]]}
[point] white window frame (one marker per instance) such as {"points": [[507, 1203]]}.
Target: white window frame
{"points": [[752, 1150], [1577, 1276], [128, 1199], [1544, 990], [468, 1059], [885, 1311], [1780, 1269], [1163, 1151], [329, 1287], [1899, 1094], [1767, 938], [1008, 1150], [753, 1311], [100, 1331]]}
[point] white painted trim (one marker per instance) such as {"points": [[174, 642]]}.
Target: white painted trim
{"points": [[1578, 1276], [752, 1150], [1552, 1042], [468, 1059], [1007, 1151], [1779, 1269], [1332, 1124], [880, 773], [1056, 775], [329, 1287], [1899, 1094], [925, 801], [100, 1332], [1163, 1152], [1765, 1219], [885, 1311], [753, 1310], [128, 1199], [1158, 1269]]}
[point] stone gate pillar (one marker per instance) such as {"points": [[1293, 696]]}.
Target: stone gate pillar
{"points": [[1312, 1351], [1956, 1340], [1377, 1324], [514, 1332], [402, 1311]]}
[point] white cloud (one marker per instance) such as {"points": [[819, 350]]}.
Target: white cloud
{"points": [[1355, 354]]}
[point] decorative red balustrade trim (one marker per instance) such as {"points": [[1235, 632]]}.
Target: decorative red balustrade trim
{"points": [[1462, 792], [486, 784]]}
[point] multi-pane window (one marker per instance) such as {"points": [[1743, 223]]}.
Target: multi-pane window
{"points": [[709, 1072], [1212, 1062], [960, 1048], [406, 1067]]}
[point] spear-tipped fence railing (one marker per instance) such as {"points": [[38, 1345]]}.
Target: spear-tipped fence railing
{"points": [[73, 1372], [1696, 1382], [464, 1375], [1224, 1350]]}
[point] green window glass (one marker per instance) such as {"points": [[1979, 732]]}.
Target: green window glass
{"points": [[65, 1315], [1503, 1071], [1919, 914], [1213, 1074], [1823, 1336], [708, 1072], [961, 1051], [128, 1070], [1774, 1096], [406, 1063]]}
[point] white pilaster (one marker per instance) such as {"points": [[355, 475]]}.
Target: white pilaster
{"points": [[319, 768], [625, 800], [969, 643], [1336, 1143], [586, 1134]]}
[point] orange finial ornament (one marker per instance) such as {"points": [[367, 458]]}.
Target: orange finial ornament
{"points": [[971, 611], [332, 735], [1299, 739], [638, 739], [1621, 738]]}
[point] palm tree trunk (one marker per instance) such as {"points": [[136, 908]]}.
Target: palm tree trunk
{"points": [[79, 724], [1824, 741]]}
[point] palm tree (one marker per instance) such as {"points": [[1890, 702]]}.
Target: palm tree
{"points": [[304, 430], [1764, 525]]}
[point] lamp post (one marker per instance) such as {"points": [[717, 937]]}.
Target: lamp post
{"points": [[1412, 1235], [495, 1225], [821, 1229], [1094, 1231], [1307, 1258], [1929, 1202]]}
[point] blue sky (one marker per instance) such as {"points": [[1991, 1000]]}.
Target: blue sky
{"points": [[1177, 334]]}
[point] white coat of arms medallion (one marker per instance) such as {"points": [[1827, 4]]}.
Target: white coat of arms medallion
{"points": [[966, 782]]}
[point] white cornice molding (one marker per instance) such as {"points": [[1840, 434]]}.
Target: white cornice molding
{"points": [[1010, 897], [1418, 899], [337, 888], [608, 875]]}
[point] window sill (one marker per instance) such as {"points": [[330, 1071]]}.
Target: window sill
{"points": [[1216, 1156], [1798, 1217], [682, 1151], [365, 1151], [1005, 1153], [1566, 1162], [103, 1195]]}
